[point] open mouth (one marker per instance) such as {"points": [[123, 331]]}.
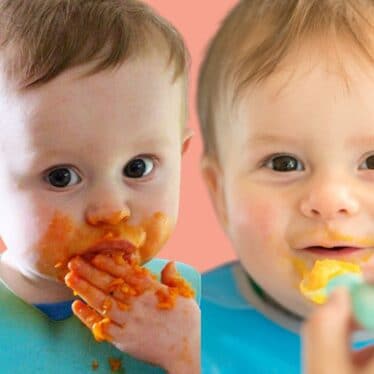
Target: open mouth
{"points": [[332, 251]]}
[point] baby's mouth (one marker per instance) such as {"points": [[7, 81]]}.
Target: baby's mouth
{"points": [[120, 246], [333, 251]]}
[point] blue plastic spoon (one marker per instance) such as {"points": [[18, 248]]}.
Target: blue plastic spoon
{"points": [[362, 296]]}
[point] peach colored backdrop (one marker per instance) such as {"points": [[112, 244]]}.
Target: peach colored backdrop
{"points": [[198, 239]]}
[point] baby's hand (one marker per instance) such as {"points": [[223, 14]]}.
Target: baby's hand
{"points": [[327, 345], [136, 313]]}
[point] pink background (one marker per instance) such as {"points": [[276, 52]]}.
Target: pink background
{"points": [[198, 239]]}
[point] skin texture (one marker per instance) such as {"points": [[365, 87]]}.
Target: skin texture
{"points": [[94, 126], [304, 110]]}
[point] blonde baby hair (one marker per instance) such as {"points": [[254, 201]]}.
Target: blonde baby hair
{"points": [[255, 38]]}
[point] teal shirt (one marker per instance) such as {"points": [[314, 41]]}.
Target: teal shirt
{"points": [[242, 332], [32, 343]]}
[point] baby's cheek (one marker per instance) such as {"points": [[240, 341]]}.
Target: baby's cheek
{"points": [[257, 218]]}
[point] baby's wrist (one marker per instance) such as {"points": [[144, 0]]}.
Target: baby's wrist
{"points": [[185, 361], [183, 367]]}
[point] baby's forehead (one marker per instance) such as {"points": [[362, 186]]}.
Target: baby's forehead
{"points": [[138, 100], [303, 77], [299, 101]]}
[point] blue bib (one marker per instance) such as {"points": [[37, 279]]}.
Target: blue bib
{"points": [[237, 338], [32, 343]]}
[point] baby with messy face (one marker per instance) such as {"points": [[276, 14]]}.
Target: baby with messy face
{"points": [[83, 157], [286, 110], [289, 159], [90, 167]]}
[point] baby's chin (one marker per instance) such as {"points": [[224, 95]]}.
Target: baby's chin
{"points": [[35, 273], [302, 307], [293, 301]]}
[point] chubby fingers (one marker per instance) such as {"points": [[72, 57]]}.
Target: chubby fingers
{"points": [[86, 314], [96, 277], [138, 278], [102, 328], [326, 337], [103, 304], [115, 287]]}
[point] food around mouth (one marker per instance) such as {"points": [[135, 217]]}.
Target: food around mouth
{"points": [[314, 283], [64, 239], [327, 275], [130, 247]]}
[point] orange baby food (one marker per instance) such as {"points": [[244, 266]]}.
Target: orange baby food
{"points": [[99, 330], [95, 365], [314, 282], [65, 239], [115, 364], [135, 281], [129, 247]]}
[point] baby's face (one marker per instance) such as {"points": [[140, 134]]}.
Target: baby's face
{"points": [[297, 176], [84, 159]]}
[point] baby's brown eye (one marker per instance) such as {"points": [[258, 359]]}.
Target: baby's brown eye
{"points": [[284, 163], [62, 177], [138, 167], [369, 162]]}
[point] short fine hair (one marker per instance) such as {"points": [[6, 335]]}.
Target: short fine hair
{"points": [[39, 39], [257, 35]]}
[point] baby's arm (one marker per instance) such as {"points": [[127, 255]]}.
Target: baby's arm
{"points": [[143, 325]]}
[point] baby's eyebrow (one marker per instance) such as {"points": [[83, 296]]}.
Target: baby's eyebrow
{"points": [[357, 141], [156, 140], [263, 139]]}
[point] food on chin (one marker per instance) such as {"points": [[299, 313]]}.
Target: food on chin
{"points": [[315, 282]]}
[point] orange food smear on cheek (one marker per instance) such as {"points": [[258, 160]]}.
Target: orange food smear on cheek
{"points": [[300, 266], [54, 245], [158, 230]]}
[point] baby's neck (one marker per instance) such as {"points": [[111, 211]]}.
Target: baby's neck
{"points": [[33, 290]]}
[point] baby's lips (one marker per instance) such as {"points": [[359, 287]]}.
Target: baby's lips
{"points": [[109, 247]]}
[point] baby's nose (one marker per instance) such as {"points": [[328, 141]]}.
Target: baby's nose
{"points": [[329, 203], [96, 216]]}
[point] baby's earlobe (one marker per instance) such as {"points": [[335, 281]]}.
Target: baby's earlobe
{"points": [[212, 176], [187, 136]]}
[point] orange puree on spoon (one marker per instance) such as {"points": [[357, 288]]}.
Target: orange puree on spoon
{"points": [[315, 281]]}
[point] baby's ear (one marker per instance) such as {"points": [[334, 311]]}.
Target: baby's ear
{"points": [[187, 136], [213, 177]]}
